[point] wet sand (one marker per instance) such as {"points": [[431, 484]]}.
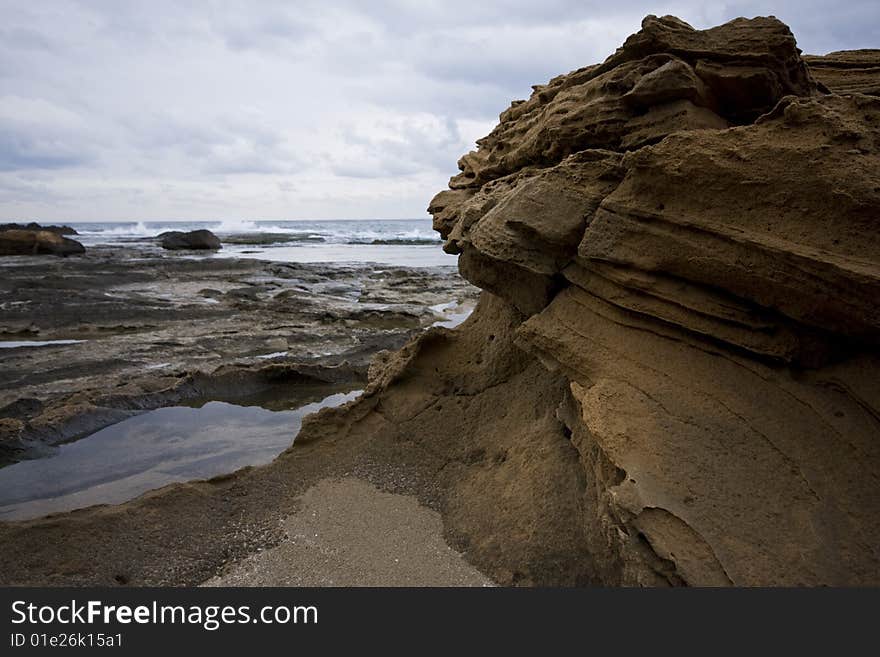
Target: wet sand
{"points": [[349, 533]]}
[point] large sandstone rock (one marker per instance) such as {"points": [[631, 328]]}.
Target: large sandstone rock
{"points": [[36, 242], [671, 377], [684, 239], [176, 240], [849, 71], [732, 73]]}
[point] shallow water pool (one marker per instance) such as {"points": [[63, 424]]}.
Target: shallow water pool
{"points": [[17, 344], [454, 312], [151, 450]]}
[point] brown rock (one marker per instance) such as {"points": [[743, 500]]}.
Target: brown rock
{"points": [[176, 240], [847, 72], [671, 375], [716, 328], [60, 230], [10, 432], [739, 70], [36, 242]]}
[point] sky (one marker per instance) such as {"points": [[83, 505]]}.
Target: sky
{"points": [[262, 109]]}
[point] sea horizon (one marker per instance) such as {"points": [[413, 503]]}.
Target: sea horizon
{"points": [[50, 222]]}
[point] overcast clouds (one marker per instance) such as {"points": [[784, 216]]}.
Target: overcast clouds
{"points": [[285, 110]]}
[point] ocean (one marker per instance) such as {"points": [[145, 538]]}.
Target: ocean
{"points": [[404, 242]]}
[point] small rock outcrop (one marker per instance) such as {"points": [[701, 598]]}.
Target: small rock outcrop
{"points": [[37, 242], [671, 378], [60, 230], [176, 240], [849, 71]]}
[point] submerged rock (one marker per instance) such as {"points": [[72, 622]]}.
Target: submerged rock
{"points": [[176, 240], [259, 239], [37, 242]]}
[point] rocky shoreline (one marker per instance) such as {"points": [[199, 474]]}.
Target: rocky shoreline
{"points": [[669, 378], [130, 331]]}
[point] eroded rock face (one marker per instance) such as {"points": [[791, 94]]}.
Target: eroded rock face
{"points": [[671, 377], [734, 72], [849, 71], [688, 233]]}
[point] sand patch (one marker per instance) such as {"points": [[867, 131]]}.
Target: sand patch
{"points": [[349, 533]]}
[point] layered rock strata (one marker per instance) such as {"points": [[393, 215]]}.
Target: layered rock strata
{"points": [[681, 261], [848, 71], [671, 377]]}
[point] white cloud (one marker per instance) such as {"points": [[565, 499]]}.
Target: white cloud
{"points": [[278, 109]]}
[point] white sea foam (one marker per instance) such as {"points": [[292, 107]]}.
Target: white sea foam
{"points": [[400, 243], [17, 344], [138, 229], [233, 226]]}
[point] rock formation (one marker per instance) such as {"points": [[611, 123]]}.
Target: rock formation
{"points": [[672, 376], [37, 242], [176, 240], [129, 310], [850, 71], [33, 225]]}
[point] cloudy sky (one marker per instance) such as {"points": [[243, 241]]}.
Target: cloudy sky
{"points": [[125, 110]]}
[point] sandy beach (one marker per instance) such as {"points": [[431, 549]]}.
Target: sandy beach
{"points": [[347, 532]]}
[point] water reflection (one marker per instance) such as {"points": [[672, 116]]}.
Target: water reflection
{"points": [[149, 451]]}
